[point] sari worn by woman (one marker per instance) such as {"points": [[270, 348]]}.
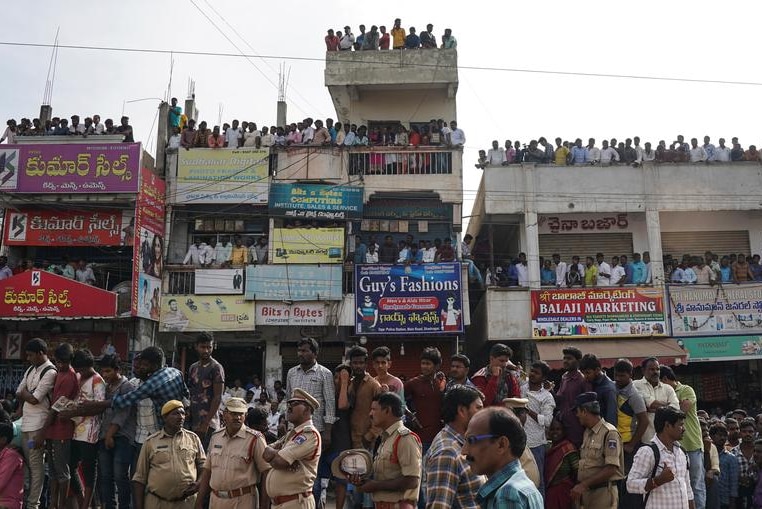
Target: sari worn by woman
{"points": [[561, 464]]}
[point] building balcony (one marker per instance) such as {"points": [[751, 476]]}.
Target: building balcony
{"points": [[551, 189], [379, 169]]}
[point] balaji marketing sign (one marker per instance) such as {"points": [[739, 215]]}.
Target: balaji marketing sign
{"points": [[408, 299], [598, 312]]}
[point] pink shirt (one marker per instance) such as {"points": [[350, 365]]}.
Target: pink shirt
{"points": [[218, 142], [11, 478]]}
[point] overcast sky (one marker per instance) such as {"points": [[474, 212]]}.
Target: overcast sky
{"points": [[695, 40]]}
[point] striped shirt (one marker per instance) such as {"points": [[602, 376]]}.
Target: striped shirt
{"points": [[163, 385], [318, 382], [448, 481]]}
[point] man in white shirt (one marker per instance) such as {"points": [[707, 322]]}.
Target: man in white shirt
{"points": [[649, 273], [97, 125], [496, 155], [722, 153], [430, 253], [347, 40], [232, 135], [456, 138], [604, 271], [35, 391], [223, 251], [608, 154], [76, 127], [618, 274], [308, 133], [580, 267], [698, 154], [523, 270], [195, 253], [540, 406], [655, 394], [593, 153], [560, 271]]}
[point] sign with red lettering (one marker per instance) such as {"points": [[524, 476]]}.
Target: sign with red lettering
{"points": [[66, 228], [41, 294], [298, 313], [598, 312]]}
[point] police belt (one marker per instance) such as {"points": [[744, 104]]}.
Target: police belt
{"points": [[288, 498], [238, 492], [178, 499], [602, 485]]}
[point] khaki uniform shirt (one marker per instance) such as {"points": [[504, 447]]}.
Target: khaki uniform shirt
{"points": [[235, 462], [169, 463], [301, 448], [406, 463], [601, 446]]}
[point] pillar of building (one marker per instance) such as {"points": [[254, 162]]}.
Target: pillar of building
{"points": [[532, 247], [653, 226], [281, 113], [273, 362], [46, 113], [162, 136]]}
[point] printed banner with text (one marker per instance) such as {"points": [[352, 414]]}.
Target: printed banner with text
{"points": [[316, 201], [42, 294], [148, 248], [67, 228], [222, 176], [70, 168], [307, 245], [192, 313], [711, 311], [598, 312], [722, 348], [300, 313], [294, 282], [408, 299]]}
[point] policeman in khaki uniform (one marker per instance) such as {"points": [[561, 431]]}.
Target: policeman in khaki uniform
{"points": [[397, 463], [234, 463], [170, 464], [294, 458], [601, 461]]}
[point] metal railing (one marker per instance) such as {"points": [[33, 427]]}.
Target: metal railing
{"points": [[397, 161]]}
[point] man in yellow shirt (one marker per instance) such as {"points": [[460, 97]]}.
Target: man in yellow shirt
{"points": [[240, 253], [591, 271], [561, 154], [398, 35]]}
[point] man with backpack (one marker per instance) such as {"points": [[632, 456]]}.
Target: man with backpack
{"points": [[660, 470], [34, 391]]}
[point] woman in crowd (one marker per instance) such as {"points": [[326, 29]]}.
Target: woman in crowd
{"points": [[561, 464]]}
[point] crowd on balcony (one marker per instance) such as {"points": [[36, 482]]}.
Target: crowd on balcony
{"points": [[629, 152], [309, 132], [56, 126], [79, 270], [379, 39], [710, 269], [222, 253]]}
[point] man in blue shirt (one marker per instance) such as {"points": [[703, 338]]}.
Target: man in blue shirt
{"points": [[412, 41], [578, 153], [603, 386], [547, 274], [724, 491], [638, 270], [494, 442]]}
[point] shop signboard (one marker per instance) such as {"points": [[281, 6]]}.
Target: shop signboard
{"points": [[42, 227], [408, 299], [70, 168], [298, 313], [194, 313], [715, 311], [722, 348], [597, 312], [222, 176], [42, 294], [316, 201], [307, 245], [294, 282]]}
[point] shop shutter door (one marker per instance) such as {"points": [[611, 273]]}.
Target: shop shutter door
{"points": [[697, 243], [586, 244]]}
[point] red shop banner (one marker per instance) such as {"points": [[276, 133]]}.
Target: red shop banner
{"points": [[597, 312], [41, 294], [65, 228]]}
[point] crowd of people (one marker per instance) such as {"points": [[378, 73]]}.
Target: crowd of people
{"points": [[60, 126], [710, 269], [379, 39], [496, 436], [222, 253], [78, 270], [628, 152]]}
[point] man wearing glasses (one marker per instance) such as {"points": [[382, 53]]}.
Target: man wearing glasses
{"points": [[494, 442], [294, 458]]}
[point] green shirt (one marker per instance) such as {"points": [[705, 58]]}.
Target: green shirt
{"points": [[692, 438]]}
